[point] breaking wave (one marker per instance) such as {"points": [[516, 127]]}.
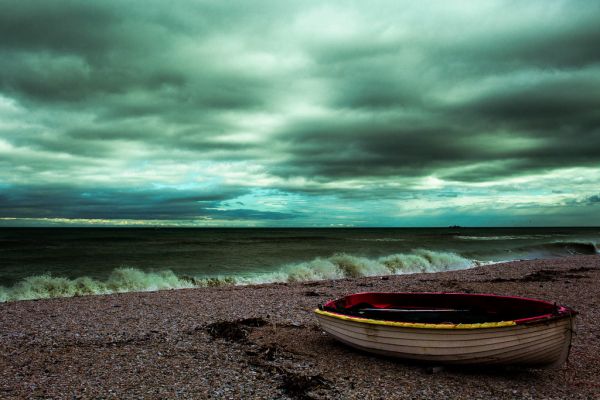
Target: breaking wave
{"points": [[496, 238], [563, 248], [120, 280], [338, 266], [380, 239]]}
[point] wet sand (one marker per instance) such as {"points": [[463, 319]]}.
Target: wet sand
{"points": [[263, 342]]}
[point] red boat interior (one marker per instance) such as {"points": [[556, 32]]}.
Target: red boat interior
{"points": [[440, 308]]}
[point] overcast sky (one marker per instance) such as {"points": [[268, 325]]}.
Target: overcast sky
{"points": [[300, 113]]}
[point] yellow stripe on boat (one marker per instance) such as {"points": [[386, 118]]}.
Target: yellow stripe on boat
{"points": [[416, 324]]}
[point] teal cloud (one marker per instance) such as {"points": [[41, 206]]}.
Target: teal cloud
{"points": [[331, 102]]}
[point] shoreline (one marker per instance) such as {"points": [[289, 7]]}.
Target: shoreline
{"points": [[262, 341]]}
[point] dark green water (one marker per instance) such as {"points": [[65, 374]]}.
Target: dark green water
{"points": [[47, 262]]}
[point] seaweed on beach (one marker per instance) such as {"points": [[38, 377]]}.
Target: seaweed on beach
{"points": [[298, 386], [312, 293], [234, 331], [546, 275]]}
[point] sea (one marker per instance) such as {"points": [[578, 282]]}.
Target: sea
{"points": [[60, 262]]}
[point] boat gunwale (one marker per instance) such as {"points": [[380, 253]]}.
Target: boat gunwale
{"points": [[561, 312]]}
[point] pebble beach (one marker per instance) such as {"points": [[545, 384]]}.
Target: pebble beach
{"points": [[263, 342]]}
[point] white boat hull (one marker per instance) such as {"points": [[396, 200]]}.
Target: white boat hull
{"points": [[542, 344]]}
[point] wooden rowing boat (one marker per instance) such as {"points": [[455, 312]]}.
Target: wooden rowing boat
{"points": [[452, 328]]}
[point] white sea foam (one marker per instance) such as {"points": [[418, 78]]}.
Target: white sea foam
{"points": [[494, 238], [506, 237], [380, 239], [338, 266], [120, 280]]}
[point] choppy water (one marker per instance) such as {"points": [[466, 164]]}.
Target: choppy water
{"points": [[51, 262]]}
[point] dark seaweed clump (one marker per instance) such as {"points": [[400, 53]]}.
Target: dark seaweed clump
{"points": [[234, 331]]}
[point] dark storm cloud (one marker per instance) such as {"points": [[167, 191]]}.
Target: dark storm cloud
{"points": [[546, 40], [561, 102], [480, 130], [268, 94], [538, 81], [116, 61], [370, 148], [595, 199], [114, 204], [56, 25], [59, 52]]}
